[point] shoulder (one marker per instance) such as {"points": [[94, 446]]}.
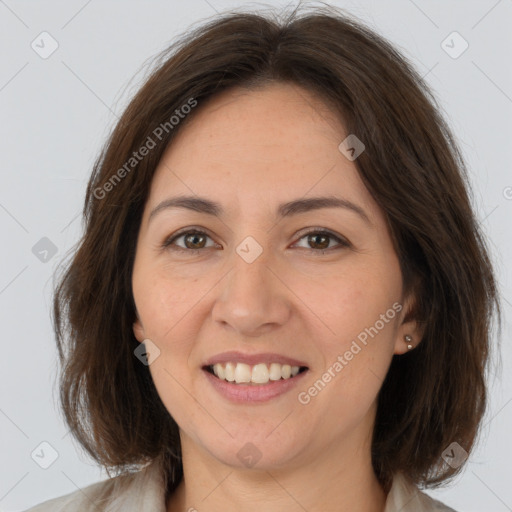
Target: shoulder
{"points": [[84, 499], [141, 491], [406, 497]]}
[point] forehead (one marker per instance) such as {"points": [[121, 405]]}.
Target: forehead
{"points": [[253, 146], [268, 119]]}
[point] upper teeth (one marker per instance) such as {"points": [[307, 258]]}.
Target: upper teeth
{"points": [[258, 374]]}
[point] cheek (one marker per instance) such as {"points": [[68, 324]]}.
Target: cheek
{"points": [[163, 298], [352, 300], [170, 307], [355, 362], [360, 307], [170, 377]]}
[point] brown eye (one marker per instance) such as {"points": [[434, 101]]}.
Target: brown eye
{"points": [[193, 240], [320, 240], [196, 241]]}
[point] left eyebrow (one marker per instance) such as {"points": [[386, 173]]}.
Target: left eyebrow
{"points": [[298, 206]]}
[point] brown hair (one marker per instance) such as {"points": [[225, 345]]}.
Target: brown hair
{"points": [[432, 396]]}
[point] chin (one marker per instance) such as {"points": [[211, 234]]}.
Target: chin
{"points": [[257, 452]]}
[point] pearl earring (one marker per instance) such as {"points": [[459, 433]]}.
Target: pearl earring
{"points": [[408, 340]]}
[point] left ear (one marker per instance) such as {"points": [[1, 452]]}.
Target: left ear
{"points": [[409, 327]]}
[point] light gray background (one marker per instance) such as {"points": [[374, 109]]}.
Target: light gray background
{"points": [[56, 113]]}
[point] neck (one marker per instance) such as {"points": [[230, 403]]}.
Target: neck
{"points": [[340, 480]]}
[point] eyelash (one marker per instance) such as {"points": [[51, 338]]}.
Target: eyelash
{"points": [[169, 242]]}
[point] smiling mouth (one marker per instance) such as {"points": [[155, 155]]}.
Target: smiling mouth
{"points": [[258, 374]]}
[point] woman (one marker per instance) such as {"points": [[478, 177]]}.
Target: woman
{"points": [[282, 298]]}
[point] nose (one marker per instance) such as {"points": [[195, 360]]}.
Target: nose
{"points": [[252, 298]]}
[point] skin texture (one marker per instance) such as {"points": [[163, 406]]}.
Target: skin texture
{"points": [[251, 150]]}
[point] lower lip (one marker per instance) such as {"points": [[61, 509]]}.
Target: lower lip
{"points": [[244, 393]]}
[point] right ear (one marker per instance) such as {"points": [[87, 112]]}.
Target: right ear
{"points": [[138, 330]]}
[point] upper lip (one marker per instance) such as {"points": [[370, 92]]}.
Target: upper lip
{"points": [[252, 359]]}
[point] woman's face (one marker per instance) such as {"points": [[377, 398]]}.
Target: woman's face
{"points": [[262, 282]]}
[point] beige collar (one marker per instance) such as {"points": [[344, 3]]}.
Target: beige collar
{"points": [[406, 497]]}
